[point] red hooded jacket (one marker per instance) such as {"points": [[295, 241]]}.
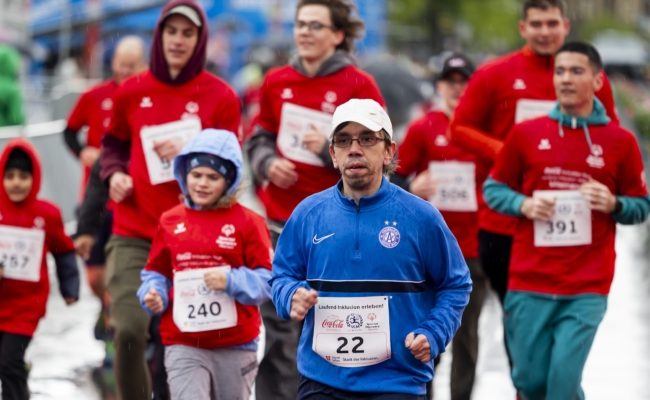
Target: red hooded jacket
{"points": [[22, 303]]}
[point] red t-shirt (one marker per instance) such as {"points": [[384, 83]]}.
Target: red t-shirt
{"points": [[535, 157], [190, 239], [487, 111], [321, 93], [145, 101], [427, 140], [93, 109]]}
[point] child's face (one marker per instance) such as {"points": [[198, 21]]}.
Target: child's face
{"points": [[17, 184], [205, 187]]}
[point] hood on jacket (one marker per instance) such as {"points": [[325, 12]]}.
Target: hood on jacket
{"points": [[218, 142], [158, 64], [339, 60], [26, 147], [9, 63]]}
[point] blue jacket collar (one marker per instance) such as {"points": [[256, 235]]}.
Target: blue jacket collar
{"points": [[385, 191]]}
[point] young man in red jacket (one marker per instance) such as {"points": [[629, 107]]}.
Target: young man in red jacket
{"points": [[155, 114], [30, 228], [289, 149], [505, 91], [569, 177], [433, 168]]}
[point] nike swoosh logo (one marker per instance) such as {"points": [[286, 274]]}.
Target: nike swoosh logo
{"points": [[317, 239]]}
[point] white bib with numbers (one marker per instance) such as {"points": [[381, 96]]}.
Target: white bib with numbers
{"points": [[529, 109], [295, 121], [352, 331], [199, 309], [21, 252], [571, 222], [183, 131], [455, 185]]}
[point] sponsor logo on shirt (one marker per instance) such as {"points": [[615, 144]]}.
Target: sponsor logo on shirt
{"points": [[107, 104], [330, 96], [227, 242], [286, 94], [184, 256], [317, 240], [389, 236], [595, 159], [544, 144], [146, 102], [39, 222], [519, 84], [180, 228], [192, 107], [441, 141]]}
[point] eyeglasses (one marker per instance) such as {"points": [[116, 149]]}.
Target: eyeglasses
{"points": [[345, 141], [312, 26]]}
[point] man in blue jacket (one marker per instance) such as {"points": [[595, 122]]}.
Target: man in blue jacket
{"points": [[373, 271]]}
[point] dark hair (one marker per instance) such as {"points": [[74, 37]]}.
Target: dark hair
{"points": [[543, 5], [586, 49], [342, 13]]}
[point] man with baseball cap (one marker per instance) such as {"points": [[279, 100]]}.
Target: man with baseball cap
{"points": [[373, 271], [431, 167]]}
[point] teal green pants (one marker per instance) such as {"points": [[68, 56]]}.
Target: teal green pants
{"points": [[549, 338]]}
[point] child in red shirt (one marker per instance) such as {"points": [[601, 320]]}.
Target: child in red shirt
{"points": [[207, 272], [29, 229]]}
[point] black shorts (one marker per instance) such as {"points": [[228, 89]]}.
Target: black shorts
{"points": [[97, 254]]}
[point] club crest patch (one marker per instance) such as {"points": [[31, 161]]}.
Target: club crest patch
{"points": [[389, 237]]}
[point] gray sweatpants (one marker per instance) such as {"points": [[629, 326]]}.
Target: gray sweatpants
{"points": [[219, 374]]}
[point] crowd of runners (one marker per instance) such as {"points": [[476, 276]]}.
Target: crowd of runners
{"points": [[374, 255]]}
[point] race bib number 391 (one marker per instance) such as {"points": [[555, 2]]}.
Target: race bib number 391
{"points": [[571, 222], [352, 331], [21, 251]]}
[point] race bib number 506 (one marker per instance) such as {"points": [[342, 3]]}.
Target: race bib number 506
{"points": [[352, 331]]}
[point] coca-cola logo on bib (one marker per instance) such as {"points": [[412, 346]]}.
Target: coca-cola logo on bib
{"points": [[332, 322]]}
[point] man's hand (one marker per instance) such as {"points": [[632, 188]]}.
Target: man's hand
{"points": [[314, 140], [282, 173], [301, 302], [216, 279], [538, 208], [167, 149], [419, 347], [598, 196], [89, 156], [423, 185], [120, 186], [153, 301], [83, 244]]}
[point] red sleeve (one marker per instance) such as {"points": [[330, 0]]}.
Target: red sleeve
{"points": [[55, 237], [257, 247], [266, 118], [119, 126], [509, 164], [159, 256], [631, 174], [229, 114], [467, 125], [606, 96], [412, 149], [78, 117]]}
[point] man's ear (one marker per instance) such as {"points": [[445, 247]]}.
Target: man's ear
{"points": [[599, 80], [331, 151]]}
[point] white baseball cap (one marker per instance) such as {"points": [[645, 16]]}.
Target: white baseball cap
{"points": [[188, 12], [366, 112]]}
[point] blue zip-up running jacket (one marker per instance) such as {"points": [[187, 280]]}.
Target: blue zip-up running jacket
{"points": [[392, 244]]}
